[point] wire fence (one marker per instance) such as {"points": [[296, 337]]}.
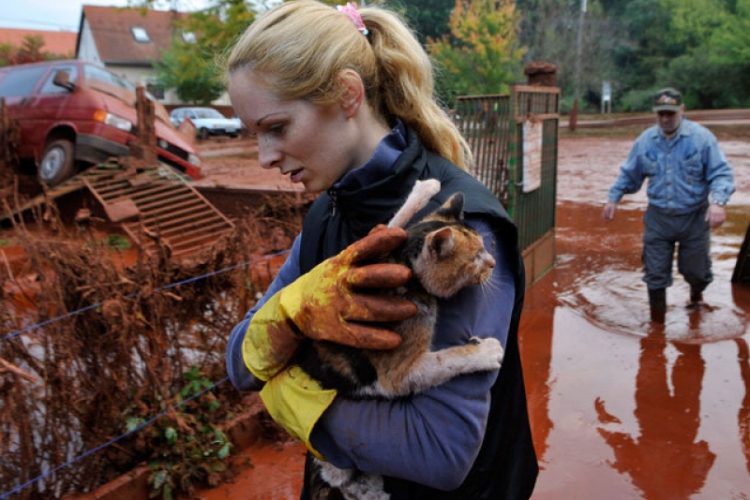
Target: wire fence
{"points": [[123, 366]]}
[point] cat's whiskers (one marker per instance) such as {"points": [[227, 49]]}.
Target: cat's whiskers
{"points": [[490, 285]]}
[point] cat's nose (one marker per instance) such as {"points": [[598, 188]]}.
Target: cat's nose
{"points": [[489, 260]]}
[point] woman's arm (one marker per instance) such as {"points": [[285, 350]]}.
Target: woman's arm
{"points": [[236, 368], [432, 438]]}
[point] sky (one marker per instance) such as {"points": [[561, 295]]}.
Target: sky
{"points": [[61, 15]]}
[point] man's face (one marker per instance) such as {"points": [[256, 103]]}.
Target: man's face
{"points": [[669, 121]]}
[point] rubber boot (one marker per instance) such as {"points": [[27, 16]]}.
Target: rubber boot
{"points": [[657, 301], [696, 295]]}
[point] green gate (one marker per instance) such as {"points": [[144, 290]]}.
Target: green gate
{"points": [[514, 142]]}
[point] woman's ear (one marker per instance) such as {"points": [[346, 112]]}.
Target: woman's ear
{"points": [[353, 92]]}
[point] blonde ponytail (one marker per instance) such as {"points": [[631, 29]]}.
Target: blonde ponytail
{"points": [[407, 86], [304, 44]]}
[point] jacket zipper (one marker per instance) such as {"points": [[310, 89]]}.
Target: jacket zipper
{"points": [[332, 195]]}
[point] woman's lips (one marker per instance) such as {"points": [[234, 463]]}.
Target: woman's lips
{"points": [[296, 175]]}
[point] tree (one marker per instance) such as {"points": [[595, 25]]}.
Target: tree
{"points": [[714, 74], [31, 50], [193, 64], [730, 43], [699, 46], [550, 29], [647, 44], [693, 21], [429, 18], [482, 54]]}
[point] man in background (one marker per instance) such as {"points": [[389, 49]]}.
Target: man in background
{"points": [[689, 183]]}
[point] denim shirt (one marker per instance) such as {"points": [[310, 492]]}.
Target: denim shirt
{"points": [[681, 170]]}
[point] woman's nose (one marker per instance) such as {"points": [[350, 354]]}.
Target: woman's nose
{"points": [[268, 156]]}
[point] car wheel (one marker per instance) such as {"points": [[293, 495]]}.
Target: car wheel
{"points": [[57, 163], [204, 133]]}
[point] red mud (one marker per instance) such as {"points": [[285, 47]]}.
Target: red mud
{"points": [[618, 411], [268, 471]]}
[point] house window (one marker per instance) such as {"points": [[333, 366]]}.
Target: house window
{"points": [[188, 37], [140, 34]]}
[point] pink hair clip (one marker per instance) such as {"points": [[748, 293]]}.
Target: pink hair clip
{"points": [[350, 10]]}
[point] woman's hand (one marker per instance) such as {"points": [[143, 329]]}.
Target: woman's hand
{"points": [[337, 301]]}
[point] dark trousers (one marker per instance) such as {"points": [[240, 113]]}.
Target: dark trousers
{"points": [[691, 234]]}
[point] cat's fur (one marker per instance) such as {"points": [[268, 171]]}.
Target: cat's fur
{"points": [[445, 255]]}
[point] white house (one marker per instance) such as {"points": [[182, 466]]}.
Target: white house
{"points": [[127, 41]]}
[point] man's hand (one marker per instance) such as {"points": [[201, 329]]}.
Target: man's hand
{"points": [[715, 215], [609, 211]]}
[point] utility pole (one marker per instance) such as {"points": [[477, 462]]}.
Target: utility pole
{"points": [[573, 122]]}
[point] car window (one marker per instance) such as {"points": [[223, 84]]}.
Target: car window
{"points": [[208, 113], [21, 81], [50, 88], [96, 73]]}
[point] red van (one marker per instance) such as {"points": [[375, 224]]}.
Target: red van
{"points": [[73, 113]]}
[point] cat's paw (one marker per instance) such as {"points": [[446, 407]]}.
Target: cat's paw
{"points": [[332, 475], [489, 353]]}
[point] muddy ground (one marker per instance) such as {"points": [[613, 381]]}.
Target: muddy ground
{"points": [[618, 410]]}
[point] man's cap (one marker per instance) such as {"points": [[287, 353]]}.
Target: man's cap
{"points": [[668, 99]]}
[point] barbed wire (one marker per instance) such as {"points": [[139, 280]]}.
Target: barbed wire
{"points": [[153, 419], [164, 287], [110, 442]]}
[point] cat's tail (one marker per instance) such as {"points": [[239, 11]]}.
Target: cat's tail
{"points": [[419, 197]]}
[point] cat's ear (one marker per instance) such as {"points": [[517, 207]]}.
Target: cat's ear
{"points": [[453, 208], [441, 242]]}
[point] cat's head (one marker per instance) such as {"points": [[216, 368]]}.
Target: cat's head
{"points": [[446, 254]]}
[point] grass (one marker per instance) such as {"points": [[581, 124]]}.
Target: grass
{"points": [[118, 241]]}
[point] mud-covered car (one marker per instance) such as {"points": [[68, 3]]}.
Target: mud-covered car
{"points": [[207, 121], [71, 114]]}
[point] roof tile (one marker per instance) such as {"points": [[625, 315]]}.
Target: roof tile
{"points": [[111, 28], [55, 42]]}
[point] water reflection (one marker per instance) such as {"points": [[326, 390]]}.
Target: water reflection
{"points": [[666, 456], [743, 417]]}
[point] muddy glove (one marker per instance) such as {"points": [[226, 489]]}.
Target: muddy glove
{"points": [[296, 401], [325, 304]]}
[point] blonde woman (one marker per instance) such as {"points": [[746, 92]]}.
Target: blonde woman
{"points": [[341, 100]]}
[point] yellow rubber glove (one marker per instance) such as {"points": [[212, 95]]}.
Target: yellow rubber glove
{"points": [[331, 303], [296, 401]]}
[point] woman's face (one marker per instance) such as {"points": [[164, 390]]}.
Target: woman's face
{"points": [[310, 143]]}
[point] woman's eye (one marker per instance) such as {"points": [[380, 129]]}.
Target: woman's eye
{"points": [[277, 129]]}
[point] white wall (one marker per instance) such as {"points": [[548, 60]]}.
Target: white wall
{"points": [[87, 48]]}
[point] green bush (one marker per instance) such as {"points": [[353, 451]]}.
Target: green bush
{"points": [[637, 101]]}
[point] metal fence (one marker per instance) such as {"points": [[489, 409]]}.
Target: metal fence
{"points": [[485, 123], [497, 128]]}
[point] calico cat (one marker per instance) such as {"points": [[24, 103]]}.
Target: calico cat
{"points": [[444, 255]]}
